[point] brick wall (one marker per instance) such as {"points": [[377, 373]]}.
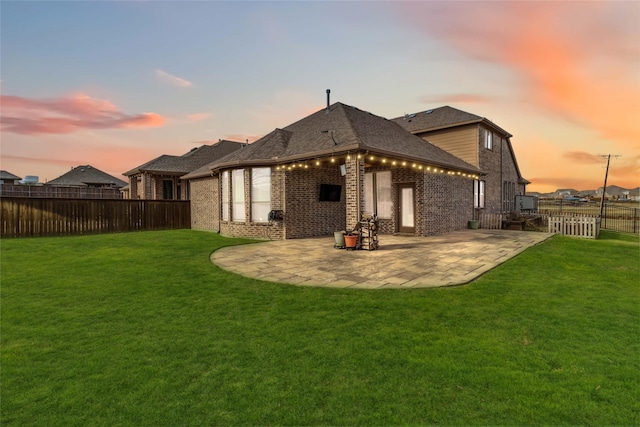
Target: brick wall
{"points": [[448, 203], [500, 167], [205, 209], [305, 214]]}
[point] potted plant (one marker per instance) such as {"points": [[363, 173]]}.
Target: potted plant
{"points": [[474, 223], [351, 240]]}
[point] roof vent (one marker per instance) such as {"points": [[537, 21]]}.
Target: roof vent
{"points": [[328, 103]]}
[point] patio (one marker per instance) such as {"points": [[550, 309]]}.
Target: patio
{"points": [[402, 262]]}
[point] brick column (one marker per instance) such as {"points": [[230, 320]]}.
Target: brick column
{"points": [[354, 196]]}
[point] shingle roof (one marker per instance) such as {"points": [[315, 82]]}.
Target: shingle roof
{"points": [[343, 129], [179, 165], [8, 176], [439, 118], [83, 176]]}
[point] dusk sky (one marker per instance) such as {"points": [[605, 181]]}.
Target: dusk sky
{"points": [[115, 84]]}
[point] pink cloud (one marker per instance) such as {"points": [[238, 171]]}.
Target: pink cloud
{"points": [[576, 60], [66, 115], [196, 117]]}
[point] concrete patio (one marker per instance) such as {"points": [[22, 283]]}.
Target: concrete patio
{"points": [[401, 262]]}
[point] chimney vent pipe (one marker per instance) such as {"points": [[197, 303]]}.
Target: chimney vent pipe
{"points": [[328, 103]]}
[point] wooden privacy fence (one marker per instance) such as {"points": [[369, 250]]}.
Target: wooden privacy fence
{"points": [[59, 192], [22, 216], [574, 225]]}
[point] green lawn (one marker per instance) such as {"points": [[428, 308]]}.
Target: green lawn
{"points": [[141, 329]]}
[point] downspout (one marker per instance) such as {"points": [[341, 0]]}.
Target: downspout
{"points": [[358, 187], [501, 180]]}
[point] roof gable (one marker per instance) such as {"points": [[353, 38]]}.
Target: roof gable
{"points": [[442, 118], [87, 175], [189, 161], [8, 175]]}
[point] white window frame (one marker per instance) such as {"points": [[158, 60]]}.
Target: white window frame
{"points": [[260, 194], [225, 195], [488, 140], [237, 194], [479, 188], [378, 199]]}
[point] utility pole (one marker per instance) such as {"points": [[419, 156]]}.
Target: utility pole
{"points": [[604, 187]]}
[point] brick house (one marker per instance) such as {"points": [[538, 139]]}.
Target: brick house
{"points": [[159, 179], [479, 142], [328, 168]]}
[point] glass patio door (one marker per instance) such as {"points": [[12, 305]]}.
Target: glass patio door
{"points": [[406, 208]]}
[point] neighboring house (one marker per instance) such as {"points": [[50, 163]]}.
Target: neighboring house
{"points": [[126, 192], [479, 142], [160, 177], [634, 194], [9, 178], [607, 194], [328, 168], [87, 176], [566, 192]]}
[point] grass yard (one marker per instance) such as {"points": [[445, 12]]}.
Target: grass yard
{"points": [[141, 329]]}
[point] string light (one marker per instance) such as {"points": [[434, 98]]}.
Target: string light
{"points": [[382, 160]]}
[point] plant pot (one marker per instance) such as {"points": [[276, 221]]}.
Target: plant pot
{"points": [[350, 241], [474, 224], [339, 237]]}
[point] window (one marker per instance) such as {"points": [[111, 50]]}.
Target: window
{"points": [[478, 193], [225, 196], [167, 189], [237, 193], [377, 193], [260, 194], [488, 140]]}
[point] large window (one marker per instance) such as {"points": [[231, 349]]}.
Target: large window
{"points": [[377, 193], [478, 194], [237, 193], [225, 196], [260, 194]]}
